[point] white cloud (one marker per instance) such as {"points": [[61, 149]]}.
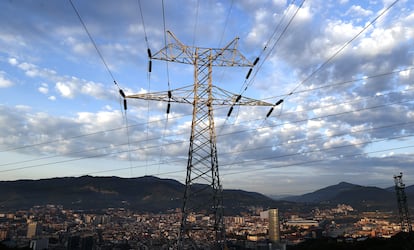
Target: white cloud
{"points": [[65, 89], [44, 88], [13, 61], [358, 11], [4, 82]]}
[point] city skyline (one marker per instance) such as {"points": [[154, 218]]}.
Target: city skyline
{"points": [[343, 69]]}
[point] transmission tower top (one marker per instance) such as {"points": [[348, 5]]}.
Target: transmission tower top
{"points": [[176, 51]]}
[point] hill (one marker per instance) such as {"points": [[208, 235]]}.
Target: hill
{"points": [[364, 198], [148, 193]]}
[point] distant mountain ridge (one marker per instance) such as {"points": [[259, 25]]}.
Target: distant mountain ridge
{"points": [[360, 197], [152, 194], [146, 193]]}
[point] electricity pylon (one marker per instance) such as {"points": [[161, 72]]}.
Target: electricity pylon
{"points": [[202, 164], [403, 213]]}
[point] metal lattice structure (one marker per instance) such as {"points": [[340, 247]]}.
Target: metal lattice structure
{"points": [[203, 189], [403, 212]]}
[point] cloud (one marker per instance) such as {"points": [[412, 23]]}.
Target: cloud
{"points": [[44, 88], [13, 61], [358, 11], [4, 82], [65, 89]]}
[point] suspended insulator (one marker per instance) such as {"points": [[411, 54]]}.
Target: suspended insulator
{"points": [[125, 104], [279, 102], [168, 108], [169, 94], [231, 110], [248, 73], [256, 61], [238, 98], [150, 66], [115, 82], [269, 113], [121, 92], [149, 53]]}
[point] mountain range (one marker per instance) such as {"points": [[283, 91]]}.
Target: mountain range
{"points": [[360, 197], [152, 194], [148, 193]]}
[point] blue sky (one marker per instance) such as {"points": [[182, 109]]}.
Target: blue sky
{"points": [[349, 117]]}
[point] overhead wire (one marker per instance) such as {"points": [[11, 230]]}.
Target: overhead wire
{"points": [[108, 68], [315, 118], [168, 81], [196, 22], [262, 168], [227, 172], [226, 22], [121, 92], [167, 70], [182, 116], [320, 67], [252, 129], [247, 79], [281, 100]]}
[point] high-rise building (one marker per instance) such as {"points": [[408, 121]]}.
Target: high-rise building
{"points": [[33, 229], [274, 228]]}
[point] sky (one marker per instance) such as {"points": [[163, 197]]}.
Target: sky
{"points": [[344, 70]]}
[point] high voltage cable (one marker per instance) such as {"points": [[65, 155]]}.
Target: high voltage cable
{"points": [[93, 42], [180, 117], [248, 83], [143, 23], [195, 22], [343, 82], [310, 161], [228, 134], [225, 23], [256, 160], [232, 172], [64, 161], [344, 46], [331, 57]]}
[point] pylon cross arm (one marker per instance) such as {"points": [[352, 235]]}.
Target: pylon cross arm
{"points": [[185, 95]]}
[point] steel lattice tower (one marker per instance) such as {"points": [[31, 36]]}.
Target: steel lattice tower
{"points": [[402, 204], [202, 164]]}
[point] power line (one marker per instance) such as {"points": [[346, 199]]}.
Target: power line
{"points": [[248, 83], [343, 82], [311, 161], [344, 46], [64, 161], [263, 168], [93, 42], [242, 131]]}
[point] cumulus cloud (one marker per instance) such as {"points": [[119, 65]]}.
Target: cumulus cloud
{"points": [[4, 82], [44, 88], [65, 89]]}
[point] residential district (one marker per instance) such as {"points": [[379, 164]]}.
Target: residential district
{"points": [[54, 227]]}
